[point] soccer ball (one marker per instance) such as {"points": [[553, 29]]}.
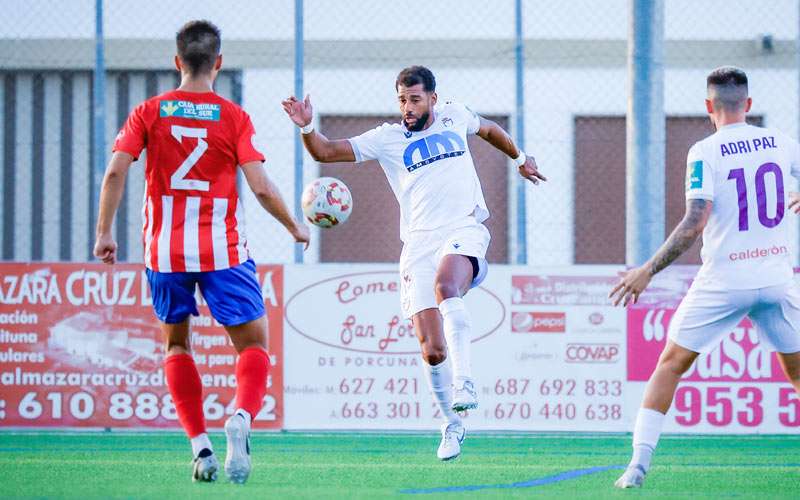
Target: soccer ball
{"points": [[326, 202]]}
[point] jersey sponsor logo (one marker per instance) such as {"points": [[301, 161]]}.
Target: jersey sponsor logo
{"points": [[433, 148], [694, 176], [187, 109], [758, 253]]}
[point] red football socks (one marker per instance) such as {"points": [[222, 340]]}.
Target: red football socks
{"points": [[186, 389], [251, 379]]}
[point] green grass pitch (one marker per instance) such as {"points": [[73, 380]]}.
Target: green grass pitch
{"points": [[287, 465]]}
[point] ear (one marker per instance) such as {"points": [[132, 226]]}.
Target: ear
{"points": [[748, 105], [178, 65], [434, 98], [218, 63], [709, 106]]}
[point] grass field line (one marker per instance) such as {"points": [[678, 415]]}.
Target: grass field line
{"points": [[542, 481]]}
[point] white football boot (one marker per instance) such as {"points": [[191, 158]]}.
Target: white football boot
{"points": [[237, 459], [633, 477], [452, 437], [205, 466], [464, 395]]}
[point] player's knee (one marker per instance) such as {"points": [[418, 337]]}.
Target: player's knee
{"points": [[241, 346], [434, 355], [675, 364], [445, 290], [793, 373], [178, 346]]}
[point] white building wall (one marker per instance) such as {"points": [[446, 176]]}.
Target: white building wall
{"points": [[554, 94]]}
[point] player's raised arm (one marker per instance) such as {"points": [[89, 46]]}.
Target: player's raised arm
{"points": [[320, 147], [494, 134], [105, 248], [270, 198], [682, 238]]}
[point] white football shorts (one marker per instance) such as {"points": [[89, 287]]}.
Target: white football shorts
{"points": [[705, 316], [422, 252]]}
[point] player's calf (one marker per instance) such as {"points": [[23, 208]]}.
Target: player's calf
{"points": [[252, 370], [458, 332]]}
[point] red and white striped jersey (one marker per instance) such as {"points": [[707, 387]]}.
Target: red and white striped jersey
{"points": [[193, 218]]}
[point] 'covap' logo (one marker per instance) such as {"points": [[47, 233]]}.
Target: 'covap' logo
{"points": [[432, 148]]}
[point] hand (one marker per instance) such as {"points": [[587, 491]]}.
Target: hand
{"points": [[631, 286], [300, 112], [301, 234], [530, 171], [794, 201], [105, 249]]}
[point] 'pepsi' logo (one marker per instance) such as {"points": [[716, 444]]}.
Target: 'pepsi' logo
{"points": [[539, 322]]}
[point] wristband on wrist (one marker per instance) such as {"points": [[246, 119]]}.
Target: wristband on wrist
{"points": [[307, 129], [520, 160]]}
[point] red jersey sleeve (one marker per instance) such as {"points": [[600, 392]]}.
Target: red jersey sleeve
{"points": [[245, 150], [132, 138]]}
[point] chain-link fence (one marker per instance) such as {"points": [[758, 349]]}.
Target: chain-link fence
{"points": [[575, 99]]}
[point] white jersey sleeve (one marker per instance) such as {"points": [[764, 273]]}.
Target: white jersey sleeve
{"points": [[473, 121], [369, 145], [699, 175], [470, 117]]}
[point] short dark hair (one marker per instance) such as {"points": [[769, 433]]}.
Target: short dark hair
{"points": [[198, 45], [414, 75], [727, 87]]}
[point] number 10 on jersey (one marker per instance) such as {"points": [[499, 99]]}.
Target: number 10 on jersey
{"points": [[737, 174]]}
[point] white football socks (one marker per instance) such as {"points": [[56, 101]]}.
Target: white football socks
{"points": [[645, 436], [440, 380], [458, 334], [199, 442]]}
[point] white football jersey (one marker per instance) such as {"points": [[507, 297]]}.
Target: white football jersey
{"points": [[744, 170], [431, 172]]}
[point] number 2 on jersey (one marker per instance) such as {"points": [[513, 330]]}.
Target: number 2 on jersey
{"points": [[178, 179], [737, 174]]}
